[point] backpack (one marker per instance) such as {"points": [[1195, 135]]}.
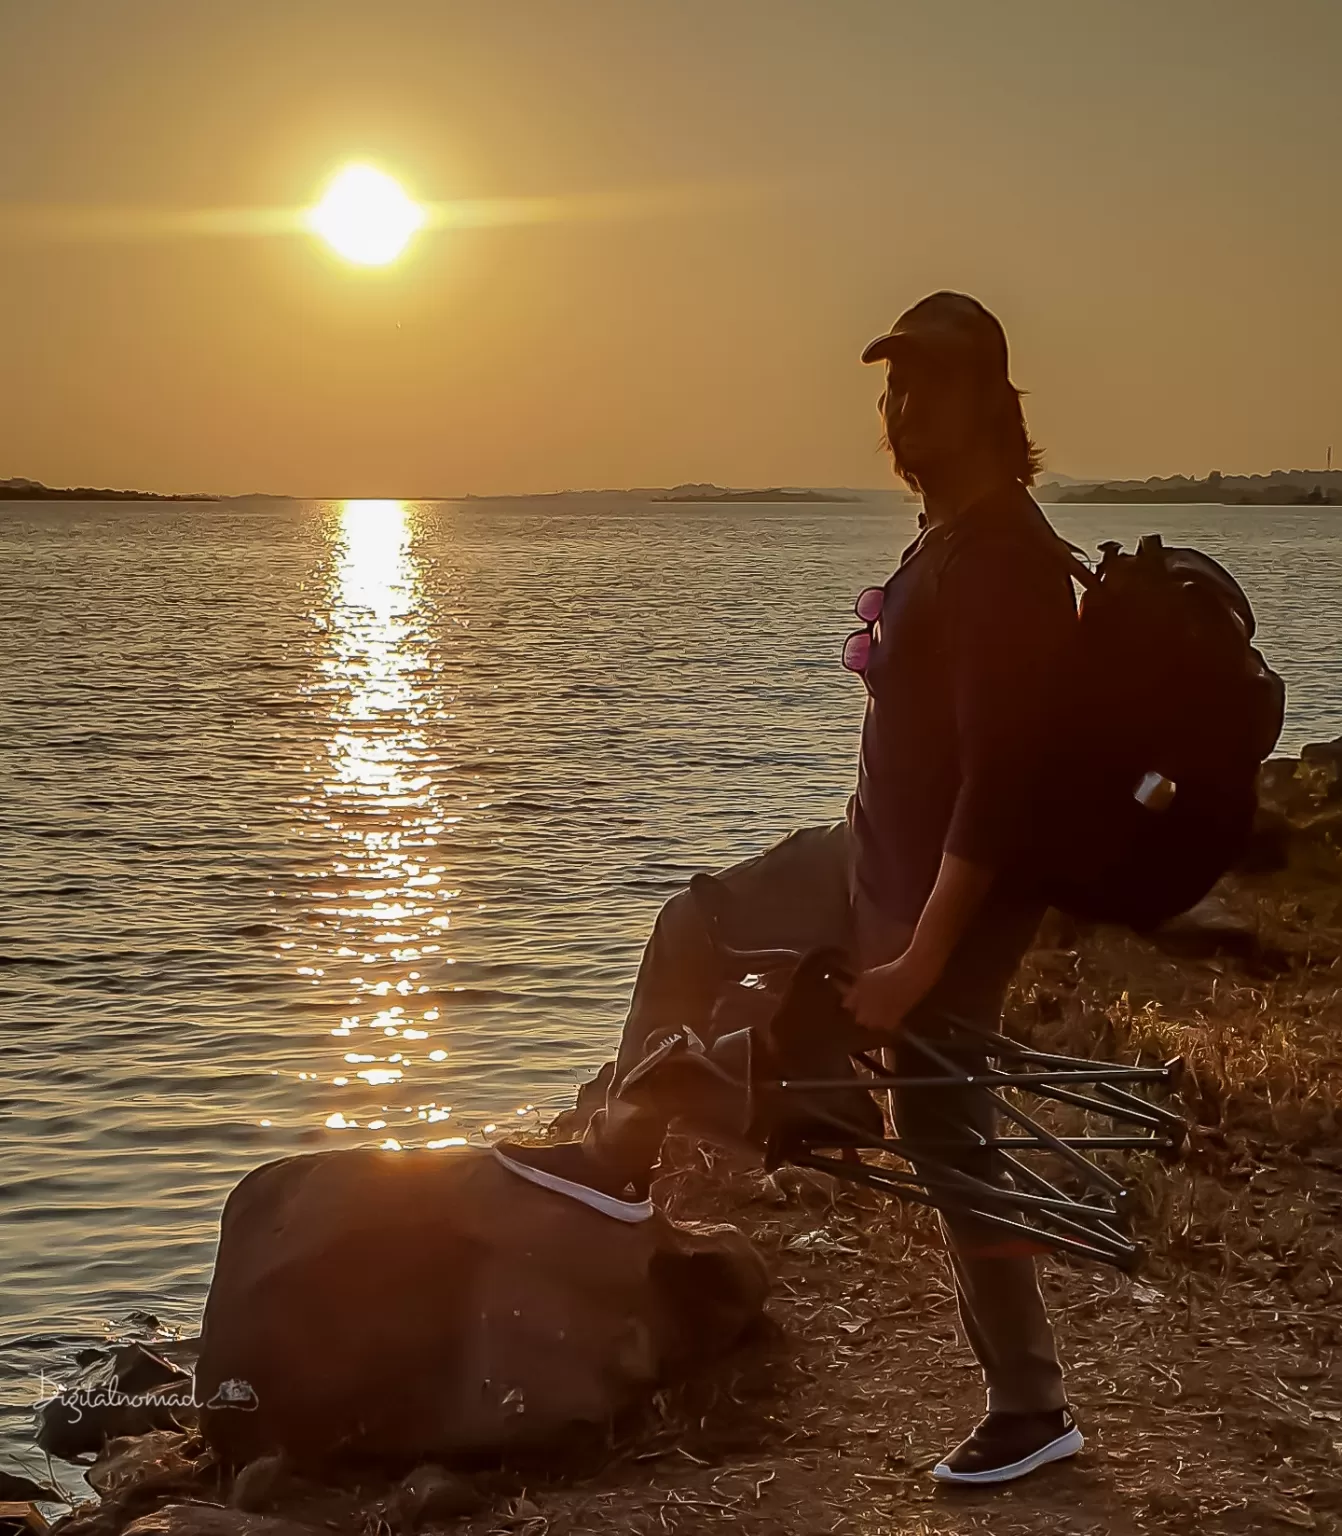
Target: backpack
{"points": [[1168, 712]]}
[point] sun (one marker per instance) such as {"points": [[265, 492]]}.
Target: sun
{"points": [[366, 216]]}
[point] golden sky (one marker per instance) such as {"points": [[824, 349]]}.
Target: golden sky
{"points": [[734, 196]]}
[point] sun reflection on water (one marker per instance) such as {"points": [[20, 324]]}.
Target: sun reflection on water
{"points": [[382, 906]]}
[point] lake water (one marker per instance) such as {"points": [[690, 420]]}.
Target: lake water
{"points": [[337, 823]]}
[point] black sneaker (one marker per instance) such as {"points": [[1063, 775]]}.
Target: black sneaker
{"points": [[1008, 1445]]}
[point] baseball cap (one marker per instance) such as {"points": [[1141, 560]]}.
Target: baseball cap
{"points": [[946, 325]]}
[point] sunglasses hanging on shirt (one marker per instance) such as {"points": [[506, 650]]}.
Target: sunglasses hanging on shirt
{"points": [[857, 647]]}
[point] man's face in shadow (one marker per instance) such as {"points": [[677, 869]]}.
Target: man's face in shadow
{"points": [[929, 413]]}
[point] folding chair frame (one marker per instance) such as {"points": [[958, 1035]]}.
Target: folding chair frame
{"points": [[1019, 1201], [794, 1120]]}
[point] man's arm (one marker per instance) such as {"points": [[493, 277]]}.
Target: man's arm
{"points": [[882, 996], [957, 895]]}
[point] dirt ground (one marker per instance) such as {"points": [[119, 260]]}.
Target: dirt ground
{"points": [[1211, 1399], [1209, 1387]]}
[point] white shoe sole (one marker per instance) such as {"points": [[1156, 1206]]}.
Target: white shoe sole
{"points": [[607, 1205], [1056, 1450]]}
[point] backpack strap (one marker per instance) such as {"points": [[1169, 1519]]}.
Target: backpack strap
{"points": [[1069, 556]]}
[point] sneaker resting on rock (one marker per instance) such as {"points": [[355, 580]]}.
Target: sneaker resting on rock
{"points": [[569, 1162], [1008, 1445]]}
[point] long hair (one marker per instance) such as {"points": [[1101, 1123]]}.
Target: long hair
{"points": [[1007, 439], [1019, 451]]}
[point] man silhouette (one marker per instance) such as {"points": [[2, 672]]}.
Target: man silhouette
{"points": [[960, 652]]}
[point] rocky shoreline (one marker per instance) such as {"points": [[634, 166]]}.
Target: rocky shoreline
{"points": [[1210, 1387]]}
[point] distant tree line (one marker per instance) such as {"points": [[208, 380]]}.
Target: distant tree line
{"points": [[33, 490], [1282, 488]]}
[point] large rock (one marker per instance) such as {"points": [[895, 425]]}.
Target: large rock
{"points": [[416, 1306]]}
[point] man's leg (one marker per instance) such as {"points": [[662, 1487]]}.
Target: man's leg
{"points": [[997, 1289], [792, 896]]}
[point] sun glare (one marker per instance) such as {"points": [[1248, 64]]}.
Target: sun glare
{"points": [[365, 216]]}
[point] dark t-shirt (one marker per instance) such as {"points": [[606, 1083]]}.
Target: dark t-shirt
{"points": [[962, 687]]}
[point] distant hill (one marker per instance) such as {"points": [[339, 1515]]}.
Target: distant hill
{"points": [[717, 495], [1281, 488], [34, 490], [701, 491]]}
